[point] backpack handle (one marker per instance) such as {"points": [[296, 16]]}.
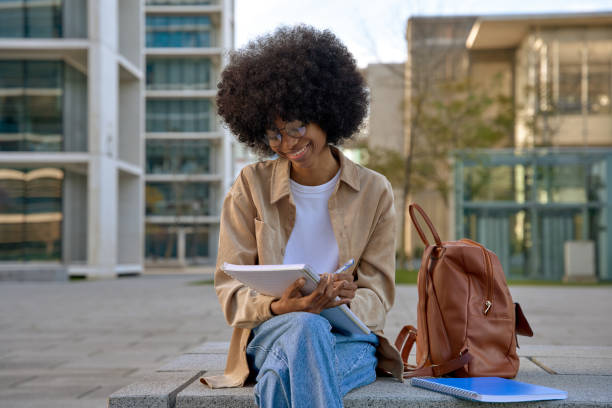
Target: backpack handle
{"points": [[417, 207]]}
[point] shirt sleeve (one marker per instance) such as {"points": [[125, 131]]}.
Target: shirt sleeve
{"points": [[242, 306], [376, 271]]}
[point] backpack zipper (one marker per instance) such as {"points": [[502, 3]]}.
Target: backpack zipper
{"points": [[489, 270]]}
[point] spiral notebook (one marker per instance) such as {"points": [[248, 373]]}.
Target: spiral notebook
{"points": [[489, 389], [272, 280]]}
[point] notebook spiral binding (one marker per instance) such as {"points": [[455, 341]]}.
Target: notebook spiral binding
{"points": [[445, 389]]}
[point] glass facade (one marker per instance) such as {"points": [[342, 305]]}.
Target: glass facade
{"points": [[160, 242], [180, 2], [43, 19], [178, 73], [43, 107], [179, 31], [571, 74], [526, 206], [178, 115], [179, 156], [197, 245], [31, 18], [180, 199], [189, 243], [31, 214], [570, 88]]}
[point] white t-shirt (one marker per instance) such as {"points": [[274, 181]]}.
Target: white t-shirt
{"points": [[312, 240]]}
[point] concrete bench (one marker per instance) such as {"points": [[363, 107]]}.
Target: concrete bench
{"points": [[584, 372]]}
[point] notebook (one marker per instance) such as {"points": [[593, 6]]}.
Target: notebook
{"points": [[489, 389], [272, 280]]}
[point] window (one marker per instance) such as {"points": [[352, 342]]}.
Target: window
{"points": [[178, 73], [196, 245], [484, 184], [178, 31], [35, 99], [569, 88], [30, 214], [562, 183], [180, 2], [31, 19], [179, 198], [600, 87], [160, 242], [176, 115], [179, 156]]}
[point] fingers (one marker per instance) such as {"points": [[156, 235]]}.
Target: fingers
{"points": [[344, 276], [294, 289], [321, 295], [330, 294], [345, 290]]}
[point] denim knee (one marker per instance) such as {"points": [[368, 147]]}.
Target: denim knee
{"points": [[270, 391], [309, 322]]}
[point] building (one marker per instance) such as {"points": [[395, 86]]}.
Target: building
{"points": [[548, 185], [71, 148], [384, 128], [76, 80], [436, 54], [188, 154]]}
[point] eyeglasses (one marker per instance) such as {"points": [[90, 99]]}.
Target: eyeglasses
{"points": [[294, 130]]}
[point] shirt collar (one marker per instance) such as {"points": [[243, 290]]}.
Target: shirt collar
{"points": [[279, 188]]}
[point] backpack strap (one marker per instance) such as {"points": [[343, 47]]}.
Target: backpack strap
{"points": [[439, 370], [404, 342], [417, 207]]}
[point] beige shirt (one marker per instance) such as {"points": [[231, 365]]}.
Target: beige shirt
{"points": [[256, 221]]}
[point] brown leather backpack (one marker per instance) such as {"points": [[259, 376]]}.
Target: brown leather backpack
{"points": [[466, 318]]}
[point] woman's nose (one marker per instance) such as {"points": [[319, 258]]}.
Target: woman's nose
{"points": [[287, 140]]}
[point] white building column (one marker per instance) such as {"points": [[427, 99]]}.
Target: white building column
{"points": [[102, 186]]}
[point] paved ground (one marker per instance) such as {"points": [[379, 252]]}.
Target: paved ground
{"points": [[73, 344]]}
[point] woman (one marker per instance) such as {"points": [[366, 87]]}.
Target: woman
{"points": [[296, 93]]}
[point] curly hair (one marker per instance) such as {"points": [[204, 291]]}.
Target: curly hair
{"points": [[295, 73]]}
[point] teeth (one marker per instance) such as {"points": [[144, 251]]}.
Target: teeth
{"points": [[299, 152]]}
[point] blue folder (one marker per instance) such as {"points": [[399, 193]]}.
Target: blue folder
{"points": [[489, 389]]}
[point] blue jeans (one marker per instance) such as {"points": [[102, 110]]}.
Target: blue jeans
{"points": [[300, 362]]}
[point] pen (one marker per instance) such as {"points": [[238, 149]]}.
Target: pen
{"points": [[347, 265]]}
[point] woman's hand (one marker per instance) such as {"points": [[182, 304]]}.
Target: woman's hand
{"points": [[345, 282], [323, 297]]}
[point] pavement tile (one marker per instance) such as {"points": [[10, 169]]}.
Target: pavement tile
{"points": [[191, 362], [91, 380], [41, 363], [10, 379], [57, 402], [198, 395], [101, 391], [160, 389], [563, 351], [585, 366], [39, 389], [528, 366], [587, 389], [69, 372], [210, 347], [117, 359]]}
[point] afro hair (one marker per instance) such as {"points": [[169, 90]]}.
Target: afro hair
{"points": [[295, 73]]}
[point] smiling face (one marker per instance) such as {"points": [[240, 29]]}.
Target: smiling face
{"points": [[309, 151]]}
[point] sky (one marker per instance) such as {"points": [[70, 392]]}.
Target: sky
{"points": [[373, 30]]}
